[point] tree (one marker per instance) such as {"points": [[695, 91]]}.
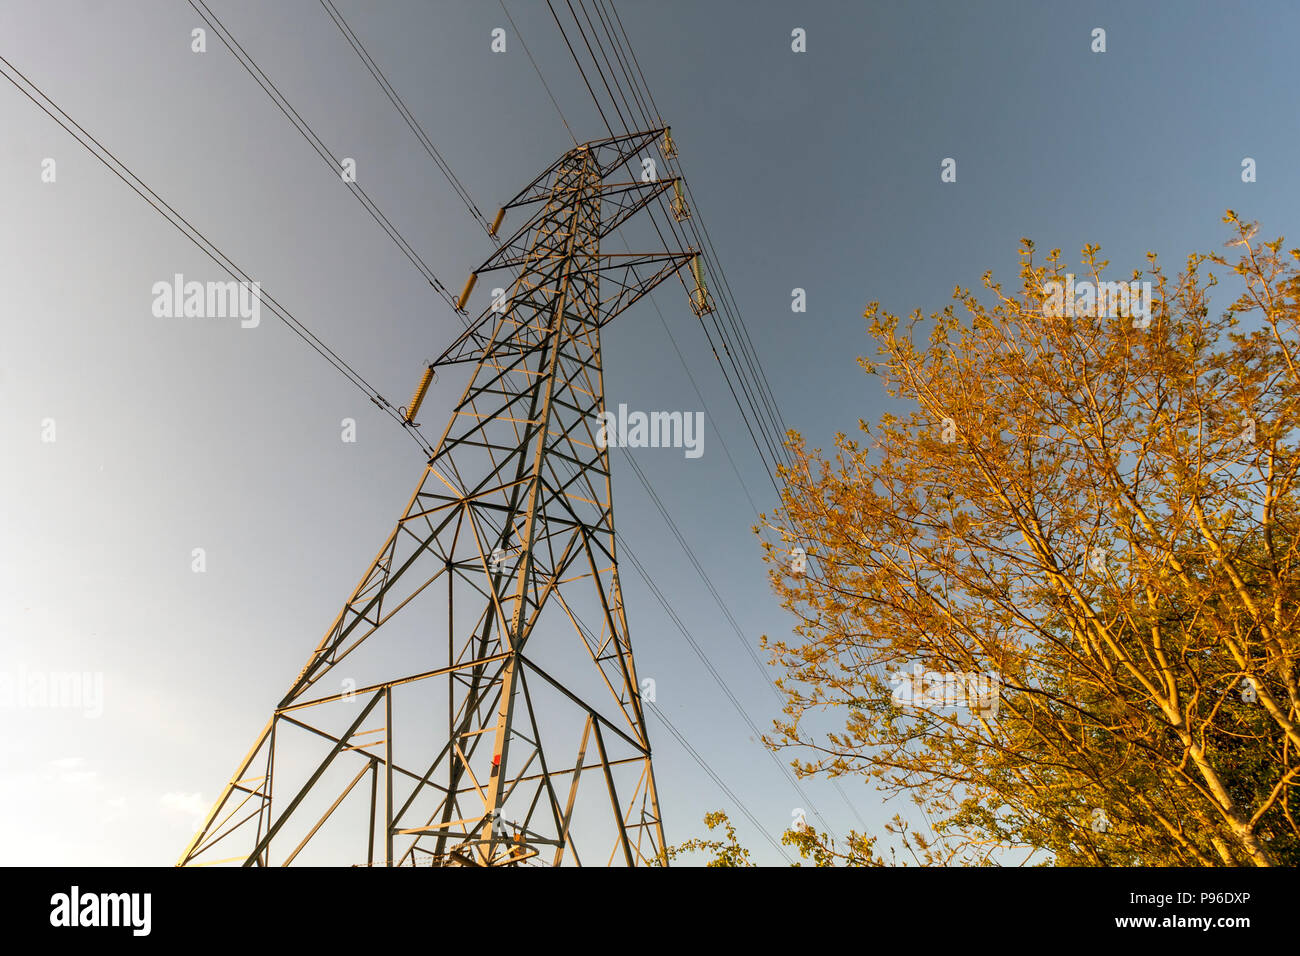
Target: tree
{"points": [[858, 850], [726, 852], [1057, 602]]}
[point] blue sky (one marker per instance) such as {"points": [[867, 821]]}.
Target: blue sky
{"points": [[817, 170]]}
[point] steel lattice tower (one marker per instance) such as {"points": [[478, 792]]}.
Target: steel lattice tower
{"points": [[508, 545]]}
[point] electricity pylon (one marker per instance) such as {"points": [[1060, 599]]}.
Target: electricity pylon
{"points": [[509, 541]]}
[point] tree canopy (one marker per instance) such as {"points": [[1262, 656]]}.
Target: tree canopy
{"points": [[1091, 508]]}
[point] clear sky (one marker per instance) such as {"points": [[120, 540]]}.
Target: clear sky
{"points": [[818, 170]]}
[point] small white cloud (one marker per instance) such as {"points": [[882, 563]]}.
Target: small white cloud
{"points": [[189, 805], [71, 772]]}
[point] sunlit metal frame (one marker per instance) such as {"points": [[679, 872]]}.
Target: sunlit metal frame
{"points": [[514, 506]]}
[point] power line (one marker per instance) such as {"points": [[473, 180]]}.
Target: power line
{"points": [[627, 128], [762, 386], [608, 89], [370, 64], [633, 88], [572, 53], [766, 406], [538, 71], [699, 568], [678, 735], [191, 232], [731, 310], [672, 339], [730, 307], [848, 802], [681, 739], [271, 90], [742, 377], [718, 678]]}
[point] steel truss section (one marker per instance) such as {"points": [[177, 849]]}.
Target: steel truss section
{"points": [[508, 546]]}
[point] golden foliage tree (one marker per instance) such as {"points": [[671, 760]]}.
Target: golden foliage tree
{"points": [[1097, 509], [821, 849], [725, 853]]}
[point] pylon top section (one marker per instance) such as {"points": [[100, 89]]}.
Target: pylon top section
{"points": [[609, 155], [627, 276]]}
